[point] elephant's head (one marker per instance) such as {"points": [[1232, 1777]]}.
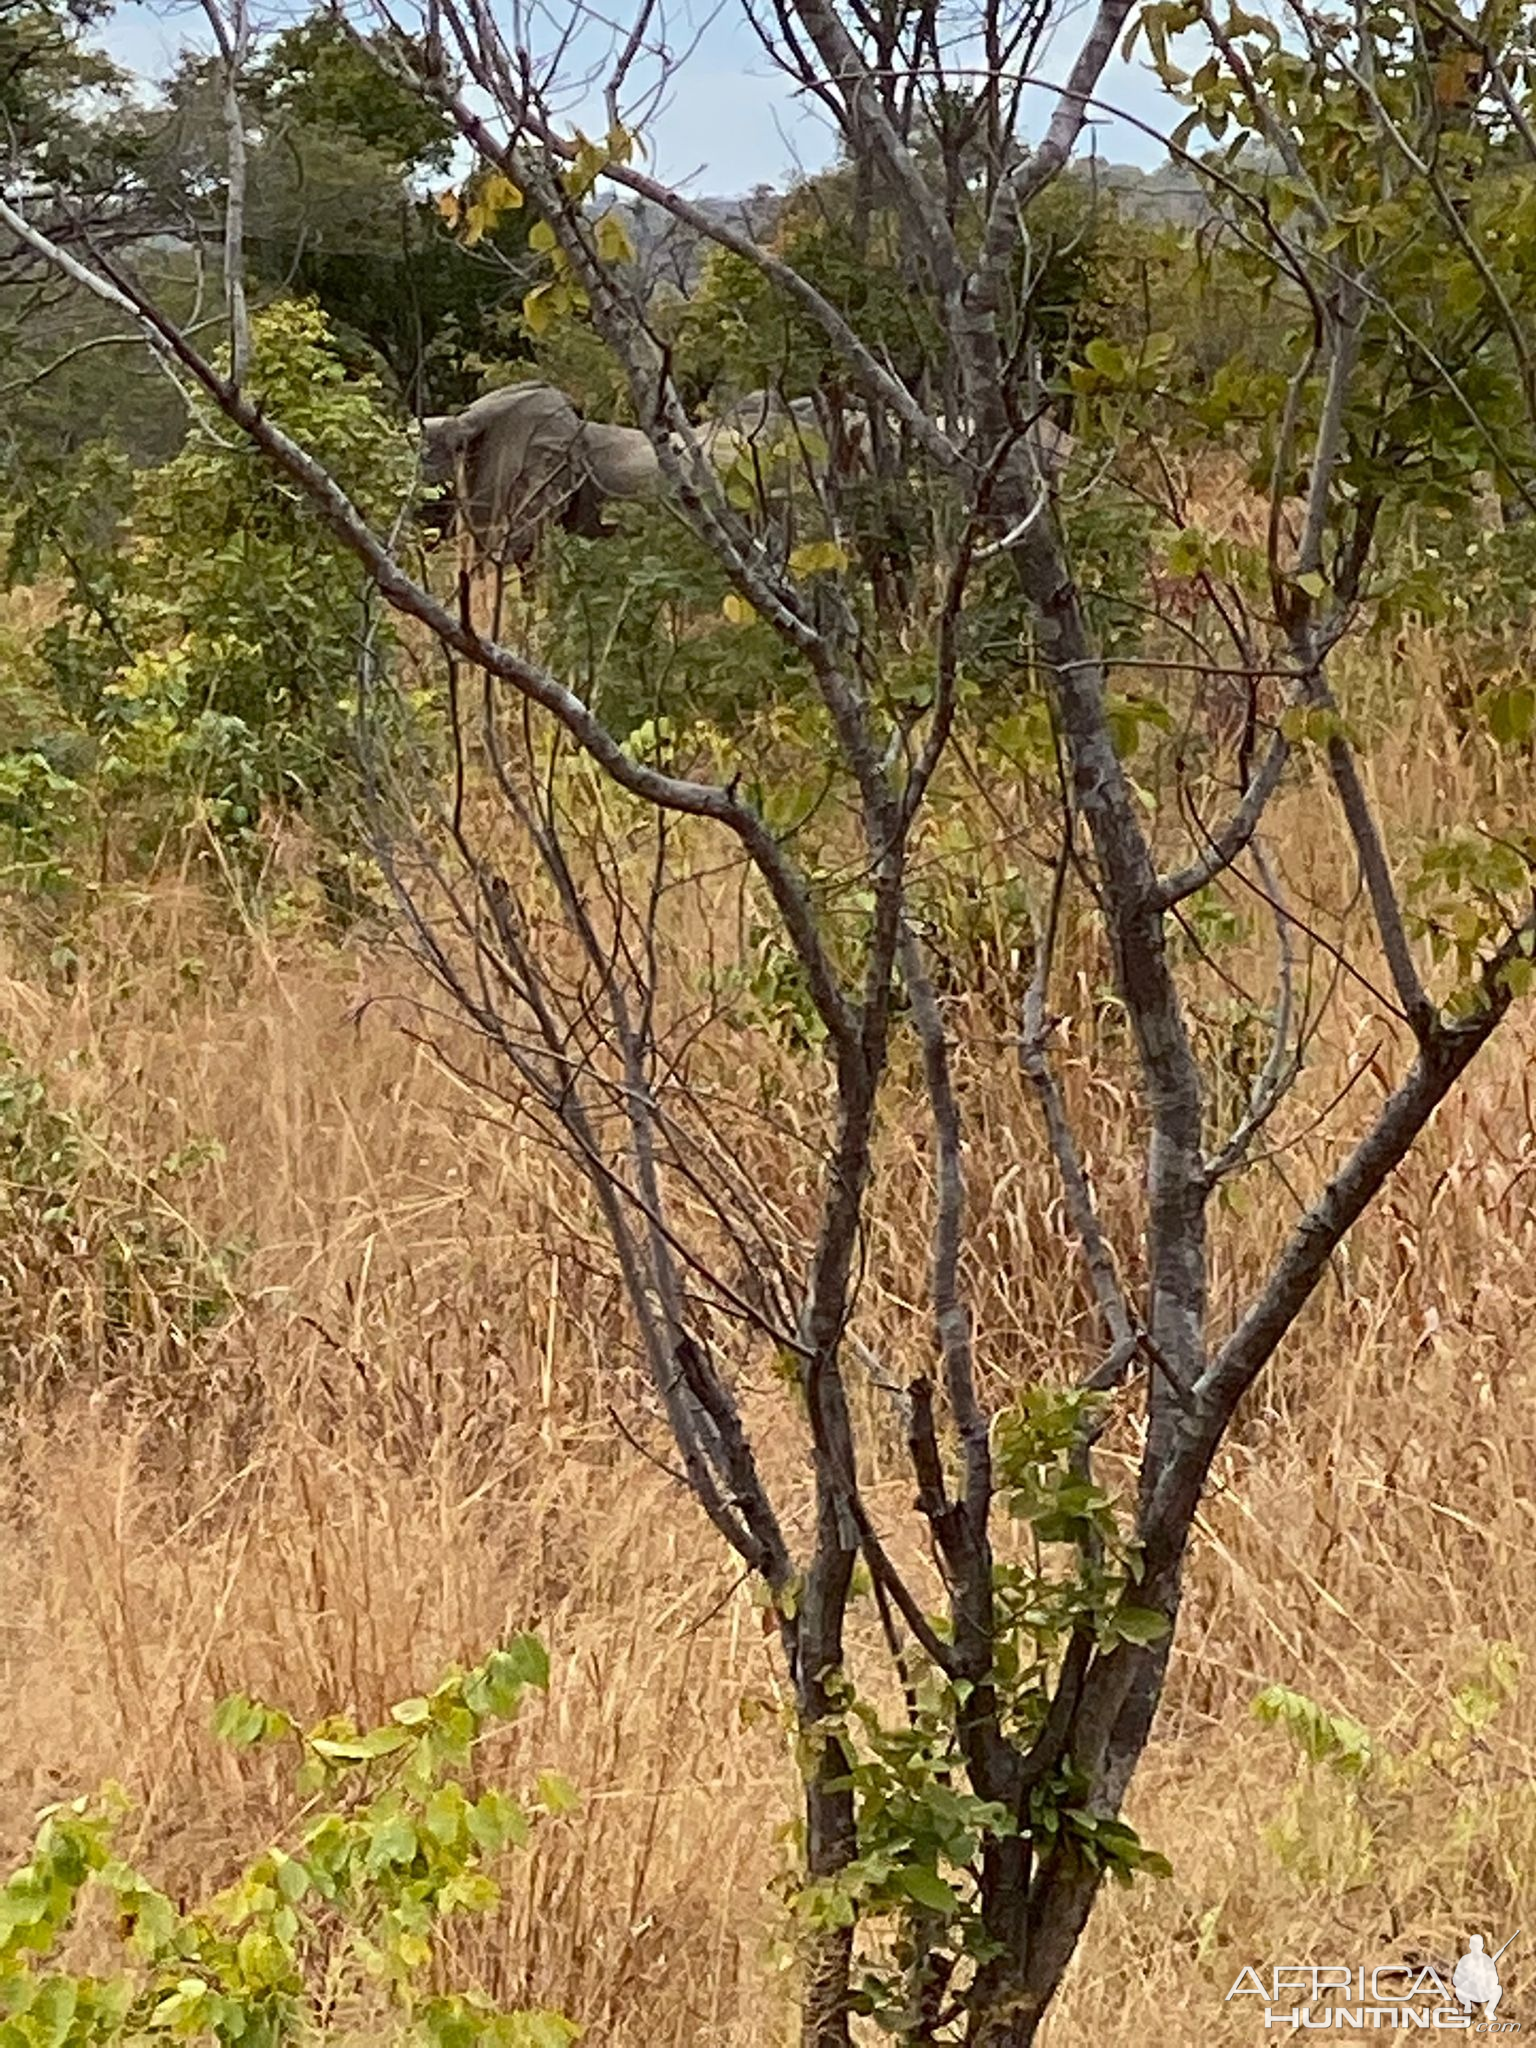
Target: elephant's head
{"points": [[442, 444], [508, 457]]}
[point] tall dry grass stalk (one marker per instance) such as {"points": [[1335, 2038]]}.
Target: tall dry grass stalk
{"points": [[402, 1444]]}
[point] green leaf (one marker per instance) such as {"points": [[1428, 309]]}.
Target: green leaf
{"points": [[1510, 713], [1108, 359], [537, 2030], [1518, 975], [361, 1749], [494, 1821], [51, 2011], [526, 1662], [556, 1794], [392, 1841], [444, 1814], [499, 1684], [240, 1721], [1187, 552], [1138, 1624], [924, 1886]]}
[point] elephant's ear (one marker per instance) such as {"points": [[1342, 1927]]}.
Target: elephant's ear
{"points": [[445, 438], [620, 460]]}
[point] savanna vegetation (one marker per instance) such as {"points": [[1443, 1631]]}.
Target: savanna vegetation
{"points": [[764, 1277]]}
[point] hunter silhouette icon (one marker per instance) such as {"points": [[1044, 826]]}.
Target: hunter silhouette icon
{"points": [[1476, 1980]]}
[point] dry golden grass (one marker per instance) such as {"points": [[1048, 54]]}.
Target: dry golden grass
{"points": [[400, 1447]]}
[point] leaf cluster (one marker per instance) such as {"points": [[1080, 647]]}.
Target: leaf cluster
{"points": [[350, 1915]]}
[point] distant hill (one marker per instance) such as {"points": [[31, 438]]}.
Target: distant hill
{"points": [[670, 254]]}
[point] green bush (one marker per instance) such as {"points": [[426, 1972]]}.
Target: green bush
{"points": [[341, 1924], [206, 662]]}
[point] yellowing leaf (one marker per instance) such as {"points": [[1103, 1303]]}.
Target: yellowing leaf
{"points": [[541, 238], [738, 611], [499, 194], [494, 195], [540, 306], [613, 243], [818, 558], [620, 144], [588, 165], [448, 206]]}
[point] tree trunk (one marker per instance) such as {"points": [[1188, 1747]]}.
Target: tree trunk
{"points": [[831, 1825], [831, 1844], [1022, 1983], [824, 2009]]}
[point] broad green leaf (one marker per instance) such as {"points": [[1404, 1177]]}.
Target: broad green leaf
{"points": [[524, 1661], [1138, 1624], [361, 1749], [924, 1886], [556, 1793], [393, 1840], [240, 1721]]}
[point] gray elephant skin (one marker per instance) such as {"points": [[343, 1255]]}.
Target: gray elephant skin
{"points": [[765, 425], [523, 458]]}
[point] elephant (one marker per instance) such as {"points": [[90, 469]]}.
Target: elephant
{"points": [[1051, 445], [523, 459], [757, 422], [774, 454], [763, 425]]}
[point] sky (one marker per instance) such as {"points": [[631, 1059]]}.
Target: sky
{"points": [[729, 120]]}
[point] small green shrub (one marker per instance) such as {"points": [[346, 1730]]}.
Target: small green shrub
{"points": [[1363, 1809], [340, 1925]]}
